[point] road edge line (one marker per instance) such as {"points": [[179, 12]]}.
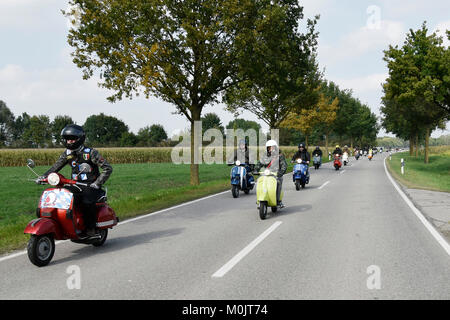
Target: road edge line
{"points": [[437, 236]]}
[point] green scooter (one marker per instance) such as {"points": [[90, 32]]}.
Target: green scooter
{"points": [[266, 193]]}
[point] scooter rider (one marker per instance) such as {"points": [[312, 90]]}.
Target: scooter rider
{"points": [[73, 137], [337, 151], [317, 152], [242, 154], [303, 154], [274, 159]]}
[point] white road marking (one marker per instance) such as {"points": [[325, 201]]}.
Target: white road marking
{"points": [[342, 172], [417, 212], [235, 260], [323, 185]]}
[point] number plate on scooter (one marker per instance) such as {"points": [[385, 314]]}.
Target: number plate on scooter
{"points": [[56, 198]]}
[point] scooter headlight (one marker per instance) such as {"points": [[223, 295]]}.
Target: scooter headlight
{"points": [[238, 163], [299, 160], [267, 172], [53, 179]]}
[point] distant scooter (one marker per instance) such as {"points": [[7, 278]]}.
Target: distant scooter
{"points": [[241, 179], [337, 162], [345, 158], [300, 174], [357, 155], [317, 161], [266, 193]]}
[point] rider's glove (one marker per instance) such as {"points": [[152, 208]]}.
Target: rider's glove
{"points": [[94, 186]]}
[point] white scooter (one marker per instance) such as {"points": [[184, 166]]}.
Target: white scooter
{"points": [[345, 158]]}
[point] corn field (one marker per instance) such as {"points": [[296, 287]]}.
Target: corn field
{"points": [[47, 157]]}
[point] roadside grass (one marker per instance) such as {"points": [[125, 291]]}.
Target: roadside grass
{"points": [[433, 176]]}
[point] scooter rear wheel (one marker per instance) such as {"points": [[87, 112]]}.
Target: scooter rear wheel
{"points": [[263, 210], [101, 241], [41, 249]]}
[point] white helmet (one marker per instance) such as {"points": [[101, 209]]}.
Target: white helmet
{"points": [[271, 143]]}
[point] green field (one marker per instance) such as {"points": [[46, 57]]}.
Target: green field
{"points": [[418, 175]]}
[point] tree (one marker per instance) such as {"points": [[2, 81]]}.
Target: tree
{"points": [[327, 115], [104, 130], [6, 123], [19, 126], [38, 133], [183, 52], [128, 139], [305, 121], [278, 70], [57, 125], [418, 84], [151, 136], [211, 121]]}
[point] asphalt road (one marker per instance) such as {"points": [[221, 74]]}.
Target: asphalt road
{"points": [[348, 235]]}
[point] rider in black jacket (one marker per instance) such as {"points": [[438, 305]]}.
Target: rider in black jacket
{"points": [[76, 153]]}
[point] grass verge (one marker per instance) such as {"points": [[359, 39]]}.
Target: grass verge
{"points": [[433, 176]]}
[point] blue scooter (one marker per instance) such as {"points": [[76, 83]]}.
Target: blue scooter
{"points": [[300, 175], [241, 179]]}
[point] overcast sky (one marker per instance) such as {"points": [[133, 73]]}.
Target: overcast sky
{"points": [[37, 75]]}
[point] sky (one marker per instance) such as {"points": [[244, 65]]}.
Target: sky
{"points": [[37, 74]]}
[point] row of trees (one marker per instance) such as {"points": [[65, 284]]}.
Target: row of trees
{"points": [[416, 97], [338, 115], [39, 131]]}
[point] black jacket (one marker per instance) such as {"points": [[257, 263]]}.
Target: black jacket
{"points": [[302, 155], [84, 155], [337, 151], [317, 152]]}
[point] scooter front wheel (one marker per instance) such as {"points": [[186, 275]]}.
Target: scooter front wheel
{"points": [[297, 185], [41, 249], [235, 191], [263, 210]]}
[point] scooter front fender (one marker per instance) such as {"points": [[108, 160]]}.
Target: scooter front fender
{"points": [[42, 226], [266, 190]]}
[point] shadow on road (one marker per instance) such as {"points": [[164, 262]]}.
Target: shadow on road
{"points": [[291, 210], [118, 243]]}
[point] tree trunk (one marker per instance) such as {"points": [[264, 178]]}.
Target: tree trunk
{"points": [[196, 143], [411, 145], [427, 142], [306, 142], [326, 142], [417, 145]]}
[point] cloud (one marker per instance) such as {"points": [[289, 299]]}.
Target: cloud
{"points": [[362, 41], [364, 84], [26, 14]]}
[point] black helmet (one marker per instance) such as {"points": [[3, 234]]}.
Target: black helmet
{"points": [[73, 132], [301, 145]]}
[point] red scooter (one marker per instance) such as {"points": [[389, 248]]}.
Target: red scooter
{"points": [[59, 219], [337, 162]]}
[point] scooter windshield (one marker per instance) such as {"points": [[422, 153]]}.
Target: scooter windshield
{"points": [[56, 198]]}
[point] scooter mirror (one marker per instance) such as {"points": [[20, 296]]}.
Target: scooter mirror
{"points": [[30, 163], [84, 168]]}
